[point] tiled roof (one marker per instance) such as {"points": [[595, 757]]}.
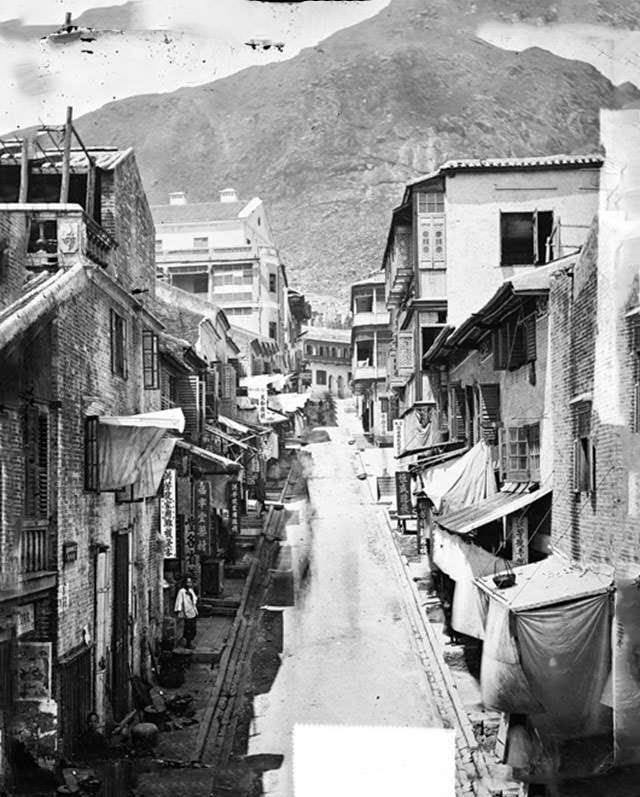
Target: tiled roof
{"points": [[178, 320], [197, 212]]}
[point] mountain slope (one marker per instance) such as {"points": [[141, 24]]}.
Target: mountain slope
{"points": [[329, 138]]}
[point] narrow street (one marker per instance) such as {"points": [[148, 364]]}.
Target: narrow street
{"points": [[349, 654]]}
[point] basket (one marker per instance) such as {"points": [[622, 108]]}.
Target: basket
{"points": [[505, 579]]}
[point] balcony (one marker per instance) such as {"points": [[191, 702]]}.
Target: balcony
{"points": [[58, 236], [378, 318], [177, 257], [369, 372]]}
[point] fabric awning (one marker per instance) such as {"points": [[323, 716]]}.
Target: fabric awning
{"points": [[209, 458], [288, 402], [465, 520], [273, 417], [235, 425], [550, 581], [460, 481], [130, 445]]}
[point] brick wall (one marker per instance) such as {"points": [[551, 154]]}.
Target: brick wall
{"points": [[13, 245], [601, 527]]}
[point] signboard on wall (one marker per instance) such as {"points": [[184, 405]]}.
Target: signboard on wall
{"points": [[25, 620], [398, 436], [168, 513], [33, 671], [403, 493], [405, 356], [258, 395], [234, 507], [202, 489]]}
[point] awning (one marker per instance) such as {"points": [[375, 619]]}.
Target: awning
{"points": [[273, 417], [235, 425], [461, 481], [128, 446], [288, 402], [208, 458], [560, 614], [260, 381], [227, 437], [550, 581], [499, 505], [437, 448]]}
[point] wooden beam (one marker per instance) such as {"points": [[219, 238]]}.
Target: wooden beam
{"points": [[66, 158], [24, 171]]}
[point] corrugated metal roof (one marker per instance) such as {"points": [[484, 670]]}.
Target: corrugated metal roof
{"points": [[197, 212], [465, 520]]}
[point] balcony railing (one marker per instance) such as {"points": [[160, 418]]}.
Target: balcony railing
{"points": [[33, 550], [369, 372], [58, 235], [377, 318]]}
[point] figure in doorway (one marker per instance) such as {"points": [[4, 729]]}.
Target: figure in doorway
{"points": [[186, 609]]}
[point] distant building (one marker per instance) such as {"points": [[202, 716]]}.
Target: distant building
{"points": [[328, 354], [225, 252], [370, 342]]}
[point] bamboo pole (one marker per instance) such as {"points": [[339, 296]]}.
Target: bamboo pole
{"points": [[66, 158]]}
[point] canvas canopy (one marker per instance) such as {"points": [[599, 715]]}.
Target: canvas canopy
{"points": [[131, 449], [228, 438], [209, 458], [260, 381], [460, 481], [547, 647], [288, 402]]}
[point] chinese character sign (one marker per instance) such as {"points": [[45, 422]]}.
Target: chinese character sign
{"points": [[398, 437], [34, 671], [203, 517], [168, 513], [234, 507], [403, 493]]}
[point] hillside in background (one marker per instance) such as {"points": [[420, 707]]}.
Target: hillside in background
{"points": [[329, 138]]}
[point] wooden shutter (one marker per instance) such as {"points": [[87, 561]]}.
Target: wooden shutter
{"points": [[530, 338], [500, 344], [188, 399], [42, 508], [577, 456], [489, 412], [30, 444], [125, 353], [202, 409], [458, 424], [635, 422], [212, 381], [518, 347], [502, 452], [150, 360], [112, 338]]}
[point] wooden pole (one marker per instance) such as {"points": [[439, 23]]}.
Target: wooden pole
{"points": [[24, 171], [66, 158]]}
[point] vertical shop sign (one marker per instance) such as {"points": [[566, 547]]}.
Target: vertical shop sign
{"points": [[168, 513], [234, 508], [398, 437], [203, 517], [403, 493]]}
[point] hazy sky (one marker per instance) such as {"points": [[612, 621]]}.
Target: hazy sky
{"points": [[152, 46]]}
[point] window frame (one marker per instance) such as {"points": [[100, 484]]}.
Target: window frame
{"points": [[118, 339], [273, 282], [91, 454], [323, 381], [150, 360], [36, 501]]}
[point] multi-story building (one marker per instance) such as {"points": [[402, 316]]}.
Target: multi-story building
{"points": [[463, 230], [225, 252], [83, 441], [328, 355], [370, 339]]}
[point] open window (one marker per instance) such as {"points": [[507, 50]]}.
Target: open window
{"points": [[526, 238], [584, 456], [364, 303], [514, 343], [364, 353]]}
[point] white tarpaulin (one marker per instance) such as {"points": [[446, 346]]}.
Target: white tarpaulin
{"points": [[626, 671], [560, 615], [263, 380], [462, 481], [127, 443], [235, 425], [153, 469], [463, 562], [288, 402]]}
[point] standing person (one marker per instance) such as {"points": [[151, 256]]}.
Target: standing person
{"points": [[186, 608], [259, 491]]}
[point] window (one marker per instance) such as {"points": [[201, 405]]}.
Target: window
{"points": [[91, 456], [364, 304], [458, 419], [364, 353], [150, 370], [158, 244], [431, 243], [35, 436], [520, 453], [201, 283], [430, 202], [489, 412], [272, 283], [321, 377], [201, 243], [514, 343], [526, 238], [118, 345], [583, 449], [273, 330], [429, 334], [309, 348], [383, 353]]}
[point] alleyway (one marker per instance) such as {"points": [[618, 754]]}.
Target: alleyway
{"points": [[349, 656]]}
